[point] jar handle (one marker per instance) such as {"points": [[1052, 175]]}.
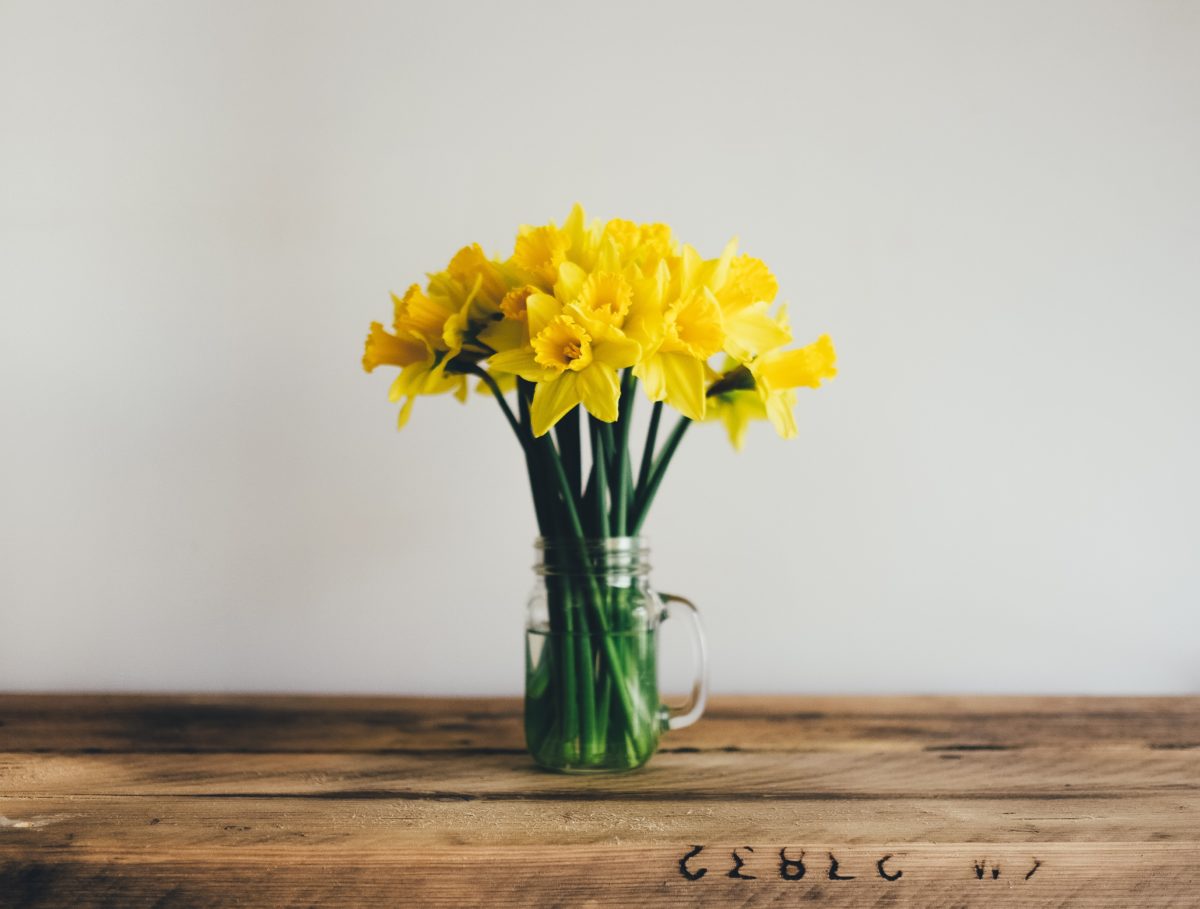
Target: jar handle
{"points": [[679, 717]]}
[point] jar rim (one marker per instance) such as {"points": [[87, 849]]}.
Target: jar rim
{"points": [[606, 544], [600, 556], [546, 632]]}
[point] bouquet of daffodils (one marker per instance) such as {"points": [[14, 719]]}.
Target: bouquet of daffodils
{"points": [[573, 319], [562, 333]]}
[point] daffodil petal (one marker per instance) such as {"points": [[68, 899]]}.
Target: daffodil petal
{"points": [[653, 376], [552, 400], [405, 411], [690, 269], [520, 361], [540, 250], [599, 390], [747, 281], [616, 352], [385, 349], [582, 238], [803, 367], [541, 310], [719, 272], [685, 384], [751, 331], [504, 335], [610, 256], [573, 226], [570, 281], [409, 381], [452, 332], [694, 326], [779, 412]]}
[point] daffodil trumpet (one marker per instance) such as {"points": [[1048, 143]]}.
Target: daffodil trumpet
{"points": [[575, 324]]}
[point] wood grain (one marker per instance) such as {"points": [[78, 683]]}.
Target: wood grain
{"points": [[274, 724], [273, 801]]}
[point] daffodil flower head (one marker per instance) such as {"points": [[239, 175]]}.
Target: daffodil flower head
{"points": [[778, 373], [509, 326], [675, 371], [572, 359], [746, 280], [642, 244], [470, 266], [694, 326], [513, 304], [563, 344], [385, 349], [540, 251], [607, 296], [421, 315]]}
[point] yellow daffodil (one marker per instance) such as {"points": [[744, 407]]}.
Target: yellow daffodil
{"points": [[675, 371], [471, 264], [678, 336], [472, 287], [745, 289], [419, 372], [779, 372], [644, 245], [539, 252], [765, 388], [422, 316], [573, 358], [742, 280], [385, 349], [511, 327], [425, 340], [606, 295]]}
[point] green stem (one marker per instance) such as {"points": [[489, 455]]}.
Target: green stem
{"points": [[600, 457], [646, 496], [605, 702], [567, 433], [591, 589], [578, 660], [648, 450], [588, 506], [621, 453], [588, 740], [558, 586], [539, 497]]}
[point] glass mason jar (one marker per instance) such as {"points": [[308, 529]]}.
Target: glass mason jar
{"points": [[591, 648]]}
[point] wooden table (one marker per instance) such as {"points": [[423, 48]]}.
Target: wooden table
{"points": [[270, 801]]}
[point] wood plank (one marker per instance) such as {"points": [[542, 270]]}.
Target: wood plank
{"points": [[1054, 773], [1112, 875], [268, 801], [109, 827], [273, 724]]}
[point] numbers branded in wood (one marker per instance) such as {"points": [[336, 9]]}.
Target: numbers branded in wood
{"points": [[794, 869]]}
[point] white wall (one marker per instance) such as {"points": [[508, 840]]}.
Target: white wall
{"points": [[994, 208]]}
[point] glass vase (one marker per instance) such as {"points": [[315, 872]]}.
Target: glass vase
{"points": [[591, 657]]}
